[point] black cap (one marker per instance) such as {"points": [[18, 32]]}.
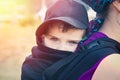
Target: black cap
{"points": [[69, 11]]}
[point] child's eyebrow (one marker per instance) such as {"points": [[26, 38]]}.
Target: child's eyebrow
{"points": [[51, 35]]}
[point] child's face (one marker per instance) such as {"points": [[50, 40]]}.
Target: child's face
{"points": [[65, 41]]}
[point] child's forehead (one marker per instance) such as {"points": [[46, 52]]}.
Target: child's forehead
{"points": [[62, 29]]}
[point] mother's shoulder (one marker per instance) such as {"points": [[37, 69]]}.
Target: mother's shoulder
{"points": [[109, 68]]}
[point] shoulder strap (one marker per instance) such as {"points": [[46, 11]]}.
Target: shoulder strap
{"points": [[71, 67]]}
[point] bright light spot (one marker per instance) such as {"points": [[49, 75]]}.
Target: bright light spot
{"points": [[91, 14]]}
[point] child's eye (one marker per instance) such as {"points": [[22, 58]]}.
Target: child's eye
{"points": [[73, 42], [54, 39]]}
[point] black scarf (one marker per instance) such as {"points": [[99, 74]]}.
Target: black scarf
{"points": [[42, 57]]}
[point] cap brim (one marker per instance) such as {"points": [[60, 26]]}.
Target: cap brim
{"points": [[70, 21]]}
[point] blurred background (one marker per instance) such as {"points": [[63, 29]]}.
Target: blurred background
{"points": [[18, 21]]}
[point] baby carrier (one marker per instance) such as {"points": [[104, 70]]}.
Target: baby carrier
{"points": [[73, 66]]}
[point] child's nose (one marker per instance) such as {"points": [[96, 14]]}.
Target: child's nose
{"points": [[63, 47]]}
